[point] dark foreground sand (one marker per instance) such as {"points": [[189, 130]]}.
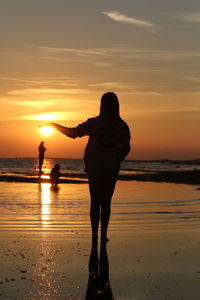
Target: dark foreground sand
{"points": [[147, 265]]}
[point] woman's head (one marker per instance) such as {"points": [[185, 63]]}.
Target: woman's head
{"points": [[109, 105]]}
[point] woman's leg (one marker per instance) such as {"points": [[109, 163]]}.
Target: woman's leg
{"points": [[41, 159], [95, 188], [107, 190]]}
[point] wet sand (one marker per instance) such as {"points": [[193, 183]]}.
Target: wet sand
{"points": [[153, 251], [143, 265]]}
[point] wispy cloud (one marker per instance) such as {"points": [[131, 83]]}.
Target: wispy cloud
{"points": [[41, 81], [118, 17], [192, 79], [192, 18], [126, 88], [49, 116], [155, 54], [126, 52], [102, 64], [113, 85], [35, 104], [80, 52], [47, 91]]}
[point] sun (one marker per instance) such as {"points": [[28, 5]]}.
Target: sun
{"points": [[46, 130]]}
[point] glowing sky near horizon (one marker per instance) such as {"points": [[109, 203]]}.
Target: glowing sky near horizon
{"points": [[58, 58]]}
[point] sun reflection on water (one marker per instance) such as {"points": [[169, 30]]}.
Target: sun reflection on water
{"points": [[45, 204]]}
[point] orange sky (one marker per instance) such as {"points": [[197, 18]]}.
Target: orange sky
{"points": [[58, 58]]}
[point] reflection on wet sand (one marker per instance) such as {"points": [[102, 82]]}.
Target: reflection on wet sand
{"points": [[47, 195], [98, 283], [45, 204]]}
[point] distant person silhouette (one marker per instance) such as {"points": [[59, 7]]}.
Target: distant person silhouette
{"points": [[54, 175], [107, 147], [41, 150]]}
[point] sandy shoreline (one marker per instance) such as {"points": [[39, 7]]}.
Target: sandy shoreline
{"points": [[185, 177], [153, 251], [143, 265]]}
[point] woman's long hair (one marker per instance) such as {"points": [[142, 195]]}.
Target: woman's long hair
{"points": [[109, 105]]}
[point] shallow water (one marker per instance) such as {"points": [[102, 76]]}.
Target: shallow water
{"points": [[29, 166], [135, 206], [45, 241]]}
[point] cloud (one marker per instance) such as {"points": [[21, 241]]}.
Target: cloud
{"points": [[163, 55], [192, 18], [80, 52], [38, 81], [182, 113], [124, 51], [191, 78], [113, 85], [47, 91], [125, 88], [35, 104], [48, 116], [19, 80], [118, 17], [102, 64]]}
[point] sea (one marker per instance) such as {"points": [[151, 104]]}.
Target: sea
{"points": [[37, 207], [29, 166]]}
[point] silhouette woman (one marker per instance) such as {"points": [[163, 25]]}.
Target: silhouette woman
{"points": [[41, 150], [107, 147]]}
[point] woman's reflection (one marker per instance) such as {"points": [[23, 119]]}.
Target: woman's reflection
{"points": [[98, 282]]}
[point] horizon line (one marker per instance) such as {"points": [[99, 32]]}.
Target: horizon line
{"points": [[138, 160]]}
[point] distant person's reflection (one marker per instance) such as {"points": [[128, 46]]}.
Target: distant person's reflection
{"points": [[54, 189], [98, 282]]}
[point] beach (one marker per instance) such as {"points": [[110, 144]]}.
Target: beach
{"points": [[143, 265], [153, 250], [93, 91]]}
